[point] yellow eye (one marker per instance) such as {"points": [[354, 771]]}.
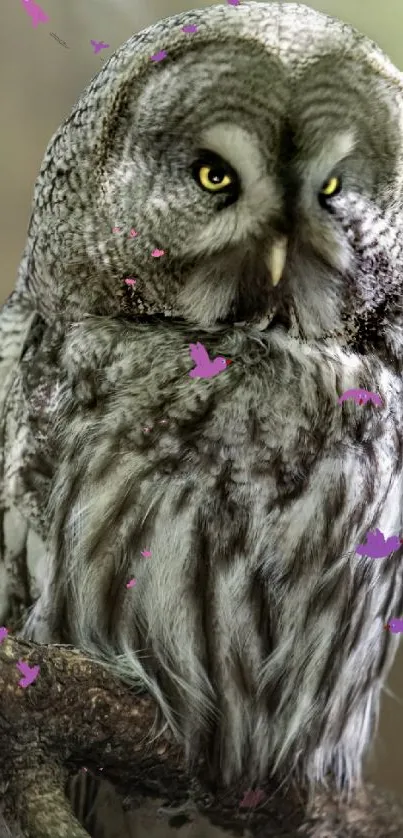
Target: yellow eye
{"points": [[331, 187], [213, 178]]}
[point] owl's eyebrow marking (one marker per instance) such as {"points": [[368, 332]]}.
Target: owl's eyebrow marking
{"points": [[235, 145], [240, 149], [316, 168]]}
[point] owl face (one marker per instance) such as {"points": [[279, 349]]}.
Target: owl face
{"points": [[270, 185], [263, 156]]}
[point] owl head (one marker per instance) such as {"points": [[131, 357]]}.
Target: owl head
{"points": [[258, 150]]}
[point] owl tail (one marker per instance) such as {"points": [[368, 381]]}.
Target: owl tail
{"points": [[82, 791], [97, 806]]}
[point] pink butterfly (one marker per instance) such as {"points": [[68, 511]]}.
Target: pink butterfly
{"points": [[131, 584], [30, 673], [35, 12], [159, 56], [205, 368]]}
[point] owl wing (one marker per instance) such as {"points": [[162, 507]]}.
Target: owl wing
{"points": [[21, 500], [198, 353], [83, 792]]}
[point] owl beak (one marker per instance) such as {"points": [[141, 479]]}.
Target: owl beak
{"points": [[276, 259]]}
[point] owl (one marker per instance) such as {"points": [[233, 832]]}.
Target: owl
{"points": [[242, 167]]}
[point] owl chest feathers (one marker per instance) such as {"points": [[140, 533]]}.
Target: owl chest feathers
{"points": [[251, 505]]}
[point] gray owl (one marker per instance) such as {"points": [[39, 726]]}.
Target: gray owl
{"points": [[246, 179]]}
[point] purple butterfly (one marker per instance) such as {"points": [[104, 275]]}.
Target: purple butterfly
{"points": [[159, 56], [377, 546], [360, 396], [98, 45], [204, 367]]}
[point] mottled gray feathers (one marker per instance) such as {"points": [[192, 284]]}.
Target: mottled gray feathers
{"points": [[254, 624]]}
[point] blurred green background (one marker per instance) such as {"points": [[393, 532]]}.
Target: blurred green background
{"points": [[40, 81]]}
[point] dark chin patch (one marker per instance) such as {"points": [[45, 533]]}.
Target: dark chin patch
{"points": [[255, 295]]}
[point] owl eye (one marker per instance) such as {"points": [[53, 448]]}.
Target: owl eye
{"points": [[214, 175], [213, 178], [330, 188]]}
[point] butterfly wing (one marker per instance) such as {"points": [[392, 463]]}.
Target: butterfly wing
{"points": [[379, 540], [198, 353], [391, 544], [349, 394]]}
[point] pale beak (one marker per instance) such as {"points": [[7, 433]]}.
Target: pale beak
{"points": [[275, 260]]}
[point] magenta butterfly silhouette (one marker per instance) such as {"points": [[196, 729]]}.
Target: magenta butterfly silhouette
{"points": [[395, 625], [204, 367], [35, 12], [98, 45], [360, 396], [377, 546], [30, 674], [131, 583]]}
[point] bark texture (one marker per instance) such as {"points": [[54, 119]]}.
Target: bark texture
{"points": [[75, 713]]}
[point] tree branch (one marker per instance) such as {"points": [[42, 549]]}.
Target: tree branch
{"points": [[76, 713]]}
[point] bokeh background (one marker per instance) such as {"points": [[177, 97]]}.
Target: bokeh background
{"points": [[39, 82]]}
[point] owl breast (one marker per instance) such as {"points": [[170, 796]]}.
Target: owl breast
{"points": [[253, 623]]}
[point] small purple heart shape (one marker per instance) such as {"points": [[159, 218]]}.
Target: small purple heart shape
{"points": [[189, 29], [157, 252], [159, 56]]}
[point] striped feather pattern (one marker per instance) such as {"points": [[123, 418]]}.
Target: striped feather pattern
{"points": [[254, 625]]}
